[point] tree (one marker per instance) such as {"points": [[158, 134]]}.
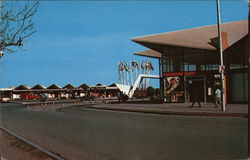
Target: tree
{"points": [[150, 91], [16, 24], [137, 93], [157, 92]]}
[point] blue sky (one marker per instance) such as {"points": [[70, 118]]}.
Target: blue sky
{"points": [[82, 41]]}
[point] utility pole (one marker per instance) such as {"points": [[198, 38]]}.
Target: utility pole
{"points": [[222, 67]]}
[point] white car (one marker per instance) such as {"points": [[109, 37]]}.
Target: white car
{"points": [[4, 100]]}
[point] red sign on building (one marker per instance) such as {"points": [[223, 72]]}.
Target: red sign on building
{"points": [[179, 74]]}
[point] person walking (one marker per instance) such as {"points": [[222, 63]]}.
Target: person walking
{"points": [[195, 96], [217, 97]]}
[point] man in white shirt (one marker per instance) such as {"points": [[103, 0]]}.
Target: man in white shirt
{"points": [[217, 97]]}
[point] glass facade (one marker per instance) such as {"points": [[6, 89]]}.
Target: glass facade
{"points": [[174, 69], [180, 71]]}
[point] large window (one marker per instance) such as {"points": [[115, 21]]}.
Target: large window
{"points": [[191, 67], [212, 67], [170, 64]]}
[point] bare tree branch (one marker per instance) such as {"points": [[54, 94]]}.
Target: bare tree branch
{"points": [[16, 23]]}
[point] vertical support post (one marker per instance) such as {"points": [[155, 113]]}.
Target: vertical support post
{"points": [[205, 88], [183, 75], [136, 74], [132, 73], [161, 77], [119, 75], [140, 65], [223, 105]]}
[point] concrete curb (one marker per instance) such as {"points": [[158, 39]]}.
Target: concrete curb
{"points": [[56, 157], [158, 111]]}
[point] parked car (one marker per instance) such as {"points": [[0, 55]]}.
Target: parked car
{"points": [[87, 97], [28, 96], [5, 99]]}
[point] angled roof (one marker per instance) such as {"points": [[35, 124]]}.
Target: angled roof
{"points": [[54, 86], [68, 86], [83, 86], [22, 87], [112, 85], [38, 86], [99, 85], [149, 53], [199, 38]]}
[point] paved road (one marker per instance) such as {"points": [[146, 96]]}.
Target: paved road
{"points": [[78, 133]]}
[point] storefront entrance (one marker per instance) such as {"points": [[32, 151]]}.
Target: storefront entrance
{"points": [[196, 83]]}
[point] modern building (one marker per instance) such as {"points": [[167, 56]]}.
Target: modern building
{"points": [[191, 58]]}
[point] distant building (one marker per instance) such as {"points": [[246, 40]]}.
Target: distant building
{"points": [[54, 91]]}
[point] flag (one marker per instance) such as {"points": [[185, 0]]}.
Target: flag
{"points": [[121, 66], [134, 64], [142, 65], [126, 67], [151, 66]]}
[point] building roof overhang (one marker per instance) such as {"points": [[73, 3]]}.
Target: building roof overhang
{"points": [[149, 53], [201, 38]]}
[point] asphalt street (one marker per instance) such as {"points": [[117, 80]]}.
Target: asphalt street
{"points": [[79, 133]]}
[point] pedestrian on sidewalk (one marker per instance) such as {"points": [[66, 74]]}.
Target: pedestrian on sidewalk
{"points": [[217, 97], [195, 95]]}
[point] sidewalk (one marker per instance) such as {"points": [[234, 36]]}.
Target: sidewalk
{"points": [[12, 148], [207, 109]]}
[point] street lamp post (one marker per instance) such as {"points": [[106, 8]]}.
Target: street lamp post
{"points": [[222, 68]]}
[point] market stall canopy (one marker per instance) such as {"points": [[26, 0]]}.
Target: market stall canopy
{"points": [[54, 86], [112, 86], [69, 86], [38, 87], [99, 85], [22, 87], [83, 86]]}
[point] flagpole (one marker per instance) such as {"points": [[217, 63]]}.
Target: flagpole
{"points": [[131, 73], [223, 105]]}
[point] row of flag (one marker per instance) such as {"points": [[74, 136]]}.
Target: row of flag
{"points": [[144, 65]]}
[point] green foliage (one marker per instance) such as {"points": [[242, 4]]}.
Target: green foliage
{"points": [[150, 91], [157, 92], [137, 93]]}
